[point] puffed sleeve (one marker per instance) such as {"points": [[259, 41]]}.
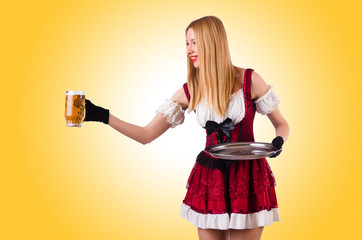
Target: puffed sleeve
{"points": [[173, 112], [267, 103]]}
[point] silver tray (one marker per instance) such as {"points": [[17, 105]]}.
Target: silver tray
{"points": [[242, 150]]}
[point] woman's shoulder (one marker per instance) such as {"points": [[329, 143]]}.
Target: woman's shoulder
{"points": [[258, 86], [181, 98]]}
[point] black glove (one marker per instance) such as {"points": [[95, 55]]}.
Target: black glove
{"points": [[277, 143], [95, 113]]}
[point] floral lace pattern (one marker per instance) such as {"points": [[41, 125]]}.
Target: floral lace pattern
{"points": [[245, 178], [239, 187], [207, 184]]}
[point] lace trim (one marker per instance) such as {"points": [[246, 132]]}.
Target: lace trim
{"points": [[173, 112], [187, 203], [267, 103]]}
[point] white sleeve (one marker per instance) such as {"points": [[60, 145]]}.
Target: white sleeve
{"points": [[267, 103], [173, 112]]}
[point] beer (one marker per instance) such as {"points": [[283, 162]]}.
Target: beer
{"points": [[74, 108]]}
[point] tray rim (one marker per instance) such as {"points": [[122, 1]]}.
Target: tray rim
{"points": [[272, 151]]}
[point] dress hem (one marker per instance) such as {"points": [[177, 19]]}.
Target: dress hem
{"points": [[226, 221]]}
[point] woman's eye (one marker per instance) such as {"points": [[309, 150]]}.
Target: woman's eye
{"points": [[187, 44], [194, 43]]}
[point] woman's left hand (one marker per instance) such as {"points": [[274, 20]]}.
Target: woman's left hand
{"points": [[277, 143]]}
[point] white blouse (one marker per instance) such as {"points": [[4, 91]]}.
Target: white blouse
{"points": [[236, 111], [175, 115]]}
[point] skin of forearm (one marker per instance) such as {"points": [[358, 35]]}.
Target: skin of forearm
{"points": [[143, 135], [132, 131], [280, 124], [282, 130]]}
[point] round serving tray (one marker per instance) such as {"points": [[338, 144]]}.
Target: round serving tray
{"points": [[242, 150]]}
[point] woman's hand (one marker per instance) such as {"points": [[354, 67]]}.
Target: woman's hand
{"points": [[95, 113], [277, 143]]}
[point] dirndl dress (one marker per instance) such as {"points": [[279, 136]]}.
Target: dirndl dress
{"points": [[225, 194]]}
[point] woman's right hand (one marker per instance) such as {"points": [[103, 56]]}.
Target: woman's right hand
{"points": [[95, 113]]}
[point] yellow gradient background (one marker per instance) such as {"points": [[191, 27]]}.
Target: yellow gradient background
{"points": [[128, 56]]}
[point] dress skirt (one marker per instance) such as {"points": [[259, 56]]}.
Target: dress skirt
{"points": [[242, 197]]}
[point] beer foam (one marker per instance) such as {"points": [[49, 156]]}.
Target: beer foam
{"points": [[71, 92]]}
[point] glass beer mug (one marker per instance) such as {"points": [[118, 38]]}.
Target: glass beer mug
{"points": [[74, 108]]}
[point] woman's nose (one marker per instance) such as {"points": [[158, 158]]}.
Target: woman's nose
{"points": [[190, 49]]}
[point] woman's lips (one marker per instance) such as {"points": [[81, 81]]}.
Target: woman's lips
{"points": [[193, 58]]}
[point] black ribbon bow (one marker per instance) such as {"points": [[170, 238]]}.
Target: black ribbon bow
{"points": [[226, 127]]}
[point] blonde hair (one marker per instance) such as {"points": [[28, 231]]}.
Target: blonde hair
{"points": [[214, 80]]}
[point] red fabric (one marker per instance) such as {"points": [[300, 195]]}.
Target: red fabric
{"points": [[247, 187], [186, 91]]}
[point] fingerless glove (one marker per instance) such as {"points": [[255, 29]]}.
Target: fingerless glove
{"points": [[95, 113]]}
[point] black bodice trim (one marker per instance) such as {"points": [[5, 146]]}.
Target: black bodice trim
{"points": [[206, 160]]}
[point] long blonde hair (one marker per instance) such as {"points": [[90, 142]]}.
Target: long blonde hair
{"points": [[214, 80]]}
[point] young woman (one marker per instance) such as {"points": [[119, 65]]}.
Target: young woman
{"points": [[225, 199]]}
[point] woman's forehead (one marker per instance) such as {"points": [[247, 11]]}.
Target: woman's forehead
{"points": [[190, 35]]}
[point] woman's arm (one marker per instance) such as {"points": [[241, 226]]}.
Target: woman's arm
{"points": [[280, 124], [152, 130], [143, 135], [258, 89]]}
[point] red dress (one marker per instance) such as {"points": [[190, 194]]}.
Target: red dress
{"points": [[231, 194]]}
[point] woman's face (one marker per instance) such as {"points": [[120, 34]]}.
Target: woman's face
{"points": [[191, 47]]}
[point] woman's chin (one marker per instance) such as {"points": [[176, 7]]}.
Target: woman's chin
{"points": [[196, 64]]}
